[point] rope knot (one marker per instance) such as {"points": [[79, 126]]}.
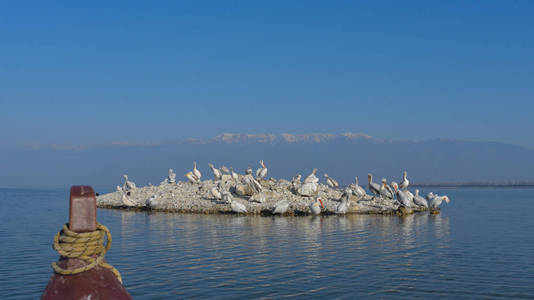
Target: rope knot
{"points": [[86, 246]]}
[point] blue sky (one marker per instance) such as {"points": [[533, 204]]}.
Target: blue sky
{"points": [[95, 72]]}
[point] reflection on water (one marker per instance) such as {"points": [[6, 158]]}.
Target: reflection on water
{"points": [[476, 248], [255, 256]]}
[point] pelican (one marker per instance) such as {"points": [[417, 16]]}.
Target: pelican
{"points": [[401, 196], [128, 185], [436, 201], [258, 171], [281, 207], [216, 193], [404, 182], [126, 201], [409, 194], [192, 178], [235, 176], [312, 178], [331, 182], [263, 172], [196, 172], [225, 170], [418, 200], [149, 201], [257, 185], [358, 191], [344, 205], [385, 190], [316, 205], [373, 187], [236, 206], [216, 172], [430, 196], [248, 170]]}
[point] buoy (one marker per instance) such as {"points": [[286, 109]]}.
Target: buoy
{"points": [[81, 272]]}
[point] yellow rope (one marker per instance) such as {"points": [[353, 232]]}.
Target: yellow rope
{"points": [[87, 246]]}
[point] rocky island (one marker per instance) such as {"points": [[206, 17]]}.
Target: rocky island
{"points": [[230, 192]]}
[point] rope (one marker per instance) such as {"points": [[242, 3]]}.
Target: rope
{"points": [[87, 246]]}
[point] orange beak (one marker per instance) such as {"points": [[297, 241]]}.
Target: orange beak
{"points": [[321, 201]]}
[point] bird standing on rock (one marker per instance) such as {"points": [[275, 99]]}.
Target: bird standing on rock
{"points": [[373, 187], [343, 206], [236, 206], [312, 178], [261, 172], [404, 182], [436, 201], [401, 197], [235, 176], [196, 172], [216, 172], [192, 178], [216, 192], [358, 191], [418, 200], [331, 182], [385, 190], [316, 206]]}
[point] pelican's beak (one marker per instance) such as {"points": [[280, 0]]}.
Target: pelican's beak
{"points": [[321, 201]]}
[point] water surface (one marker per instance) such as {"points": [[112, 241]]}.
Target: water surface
{"points": [[481, 246]]}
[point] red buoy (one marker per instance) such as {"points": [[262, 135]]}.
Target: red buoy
{"points": [[96, 283]]}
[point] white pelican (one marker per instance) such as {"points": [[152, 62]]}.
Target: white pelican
{"points": [[216, 172], [430, 196], [312, 178], [258, 171], [344, 205], [409, 194], [236, 206], [248, 170], [192, 178], [401, 196], [404, 182], [281, 207], [257, 185], [263, 171], [331, 182], [385, 190], [235, 176], [418, 200], [196, 172], [225, 170], [358, 191], [149, 201], [316, 205], [373, 187], [216, 193], [436, 201], [128, 185], [126, 201]]}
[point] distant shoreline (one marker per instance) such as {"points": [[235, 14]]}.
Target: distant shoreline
{"points": [[475, 184]]}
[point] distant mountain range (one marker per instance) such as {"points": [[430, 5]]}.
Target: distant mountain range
{"points": [[342, 156]]}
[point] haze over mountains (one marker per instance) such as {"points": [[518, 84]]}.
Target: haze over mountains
{"points": [[342, 156]]}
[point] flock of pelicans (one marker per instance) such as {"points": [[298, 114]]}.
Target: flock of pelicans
{"points": [[393, 191]]}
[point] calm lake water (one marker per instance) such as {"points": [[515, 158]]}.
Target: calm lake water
{"points": [[481, 246]]}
